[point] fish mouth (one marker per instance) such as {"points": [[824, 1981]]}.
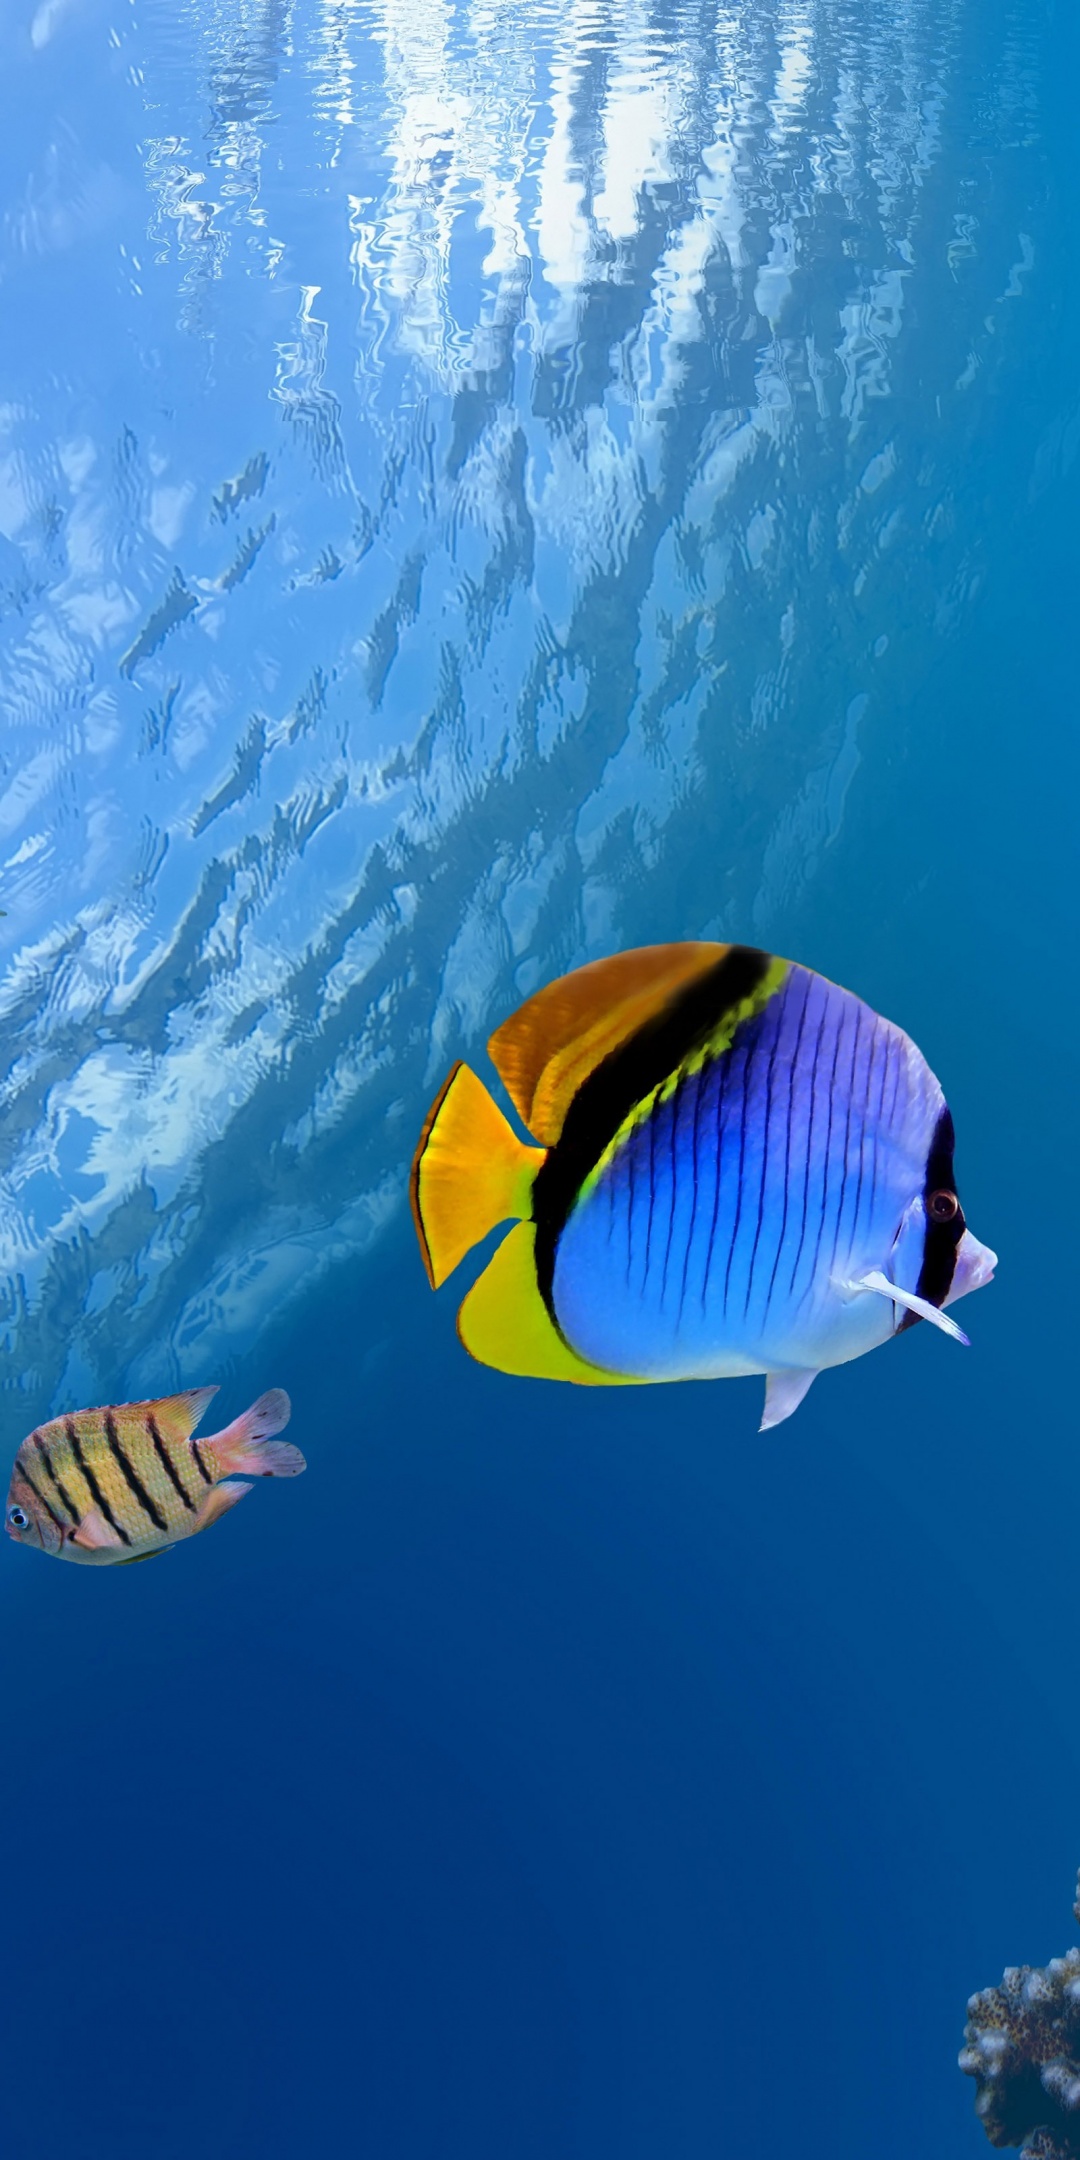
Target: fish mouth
{"points": [[975, 1264]]}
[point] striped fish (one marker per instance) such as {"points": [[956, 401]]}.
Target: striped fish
{"points": [[123, 1483], [743, 1169]]}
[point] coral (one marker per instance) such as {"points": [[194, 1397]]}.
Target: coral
{"points": [[1022, 2046]]}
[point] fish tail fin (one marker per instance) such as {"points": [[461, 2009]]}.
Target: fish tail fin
{"points": [[470, 1171], [248, 1443]]}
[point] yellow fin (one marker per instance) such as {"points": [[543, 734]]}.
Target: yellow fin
{"points": [[180, 1413], [504, 1321], [549, 1046], [470, 1171]]}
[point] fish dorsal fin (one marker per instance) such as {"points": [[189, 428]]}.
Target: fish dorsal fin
{"points": [[181, 1413], [549, 1046]]}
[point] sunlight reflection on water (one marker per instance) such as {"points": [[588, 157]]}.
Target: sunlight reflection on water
{"points": [[494, 465]]}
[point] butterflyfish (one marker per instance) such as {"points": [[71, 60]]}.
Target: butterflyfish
{"points": [[740, 1168], [124, 1483]]}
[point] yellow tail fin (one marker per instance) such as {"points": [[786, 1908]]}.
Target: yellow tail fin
{"points": [[469, 1172]]}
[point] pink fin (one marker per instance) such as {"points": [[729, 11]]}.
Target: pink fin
{"points": [[218, 1502], [94, 1534], [247, 1445]]}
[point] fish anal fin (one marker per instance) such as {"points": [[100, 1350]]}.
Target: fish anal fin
{"points": [[548, 1047], [217, 1503], [94, 1534], [784, 1391], [504, 1321], [470, 1172]]}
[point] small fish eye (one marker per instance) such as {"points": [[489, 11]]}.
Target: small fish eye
{"points": [[18, 1518], [943, 1206]]}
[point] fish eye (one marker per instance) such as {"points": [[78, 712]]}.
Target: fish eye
{"points": [[18, 1518], [943, 1206]]}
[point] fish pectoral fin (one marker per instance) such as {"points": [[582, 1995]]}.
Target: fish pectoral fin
{"points": [[218, 1501], [94, 1534], [875, 1280], [504, 1321], [784, 1392]]}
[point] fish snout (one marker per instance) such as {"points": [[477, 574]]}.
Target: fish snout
{"points": [[975, 1264], [983, 1263]]}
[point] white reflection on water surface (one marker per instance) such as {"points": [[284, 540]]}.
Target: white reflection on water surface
{"points": [[472, 479]]}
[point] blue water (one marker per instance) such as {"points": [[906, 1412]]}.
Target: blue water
{"points": [[482, 485]]}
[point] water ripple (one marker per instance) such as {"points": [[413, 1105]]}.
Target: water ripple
{"points": [[490, 463]]}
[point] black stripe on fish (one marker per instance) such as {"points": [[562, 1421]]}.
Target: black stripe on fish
{"points": [[793, 1072], [625, 1078], [206, 1475], [828, 1154], [898, 1071], [868, 1083], [167, 1463], [847, 1137], [674, 1182], [132, 1478], [93, 1487], [941, 1238], [40, 1497], [748, 1054], [877, 1127], [698, 1084], [725, 1067], [51, 1474], [764, 1162], [652, 1191], [809, 1144]]}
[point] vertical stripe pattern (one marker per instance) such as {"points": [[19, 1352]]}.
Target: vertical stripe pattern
{"points": [[133, 1469], [123, 1482], [724, 1228]]}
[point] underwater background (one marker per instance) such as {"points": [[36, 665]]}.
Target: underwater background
{"points": [[482, 485]]}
